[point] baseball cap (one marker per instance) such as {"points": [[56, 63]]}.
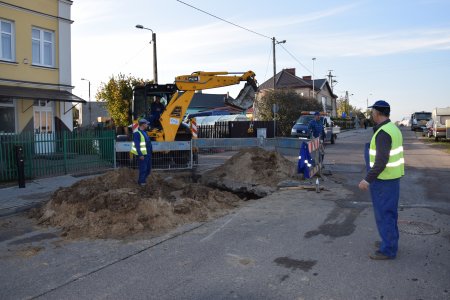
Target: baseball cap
{"points": [[317, 113], [380, 104], [143, 121]]}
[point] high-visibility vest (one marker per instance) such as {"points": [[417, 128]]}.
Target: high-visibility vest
{"points": [[395, 168], [142, 145]]}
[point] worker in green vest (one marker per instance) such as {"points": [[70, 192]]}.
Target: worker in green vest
{"points": [[386, 165], [142, 149]]}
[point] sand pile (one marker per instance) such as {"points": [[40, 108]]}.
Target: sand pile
{"points": [[254, 172], [114, 206]]}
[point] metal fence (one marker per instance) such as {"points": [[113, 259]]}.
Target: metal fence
{"points": [[165, 155], [54, 154], [87, 151], [236, 129]]}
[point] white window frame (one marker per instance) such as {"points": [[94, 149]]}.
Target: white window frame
{"points": [[13, 41], [41, 47]]}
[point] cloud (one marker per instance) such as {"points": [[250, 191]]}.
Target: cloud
{"points": [[373, 44]]}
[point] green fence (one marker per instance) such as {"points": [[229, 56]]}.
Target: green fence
{"points": [[55, 154]]}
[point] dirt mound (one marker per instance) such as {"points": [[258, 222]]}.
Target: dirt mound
{"points": [[252, 171], [114, 206]]}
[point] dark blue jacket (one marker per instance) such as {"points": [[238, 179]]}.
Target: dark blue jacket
{"points": [[316, 127]]}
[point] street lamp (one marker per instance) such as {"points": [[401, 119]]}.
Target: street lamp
{"points": [[155, 64], [275, 42], [275, 107], [367, 102], [313, 60], [89, 107]]}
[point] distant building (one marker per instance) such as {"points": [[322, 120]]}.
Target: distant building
{"points": [[286, 79], [35, 67], [93, 114]]}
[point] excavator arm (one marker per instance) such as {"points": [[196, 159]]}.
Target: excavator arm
{"points": [[187, 85]]}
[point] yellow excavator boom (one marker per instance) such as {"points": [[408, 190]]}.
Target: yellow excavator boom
{"points": [[175, 110]]}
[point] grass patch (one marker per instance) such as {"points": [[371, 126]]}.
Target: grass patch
{"points": [[443, 144]]}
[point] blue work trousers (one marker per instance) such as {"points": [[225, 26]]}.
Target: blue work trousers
{"points": [[385, 195], [145, 167]]}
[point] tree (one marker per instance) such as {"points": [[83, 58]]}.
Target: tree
{"points": [[344, 106], [118, 94], [290, 105]]}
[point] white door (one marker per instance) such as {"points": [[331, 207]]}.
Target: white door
{"points": [[44, 127]]}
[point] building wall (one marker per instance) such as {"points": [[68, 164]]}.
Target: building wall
{"points": [[24, 20], [51, 15]]}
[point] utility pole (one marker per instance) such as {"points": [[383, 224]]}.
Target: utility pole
{"points": [[274, 64], [332, 84], [331, 80], [313, 91], [275, 42], [275, 107]]}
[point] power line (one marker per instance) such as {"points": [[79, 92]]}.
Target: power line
{"points": [[295, 58], [249, 30], [222, 19], [268, 60]]}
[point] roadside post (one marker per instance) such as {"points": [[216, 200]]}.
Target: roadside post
{"points": [[20, 160]]}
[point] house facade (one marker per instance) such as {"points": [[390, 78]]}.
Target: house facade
{"points": [[318, 89], [35, 67]]}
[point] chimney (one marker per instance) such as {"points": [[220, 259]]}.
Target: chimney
{"points": [[290, 71], [307, 77]]}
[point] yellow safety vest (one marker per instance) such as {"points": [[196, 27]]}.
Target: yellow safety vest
{"points": [[395, 168], [142, 145]]}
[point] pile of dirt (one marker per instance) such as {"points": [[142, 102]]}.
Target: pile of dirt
{"points": [[114, 206], [254, 172]]}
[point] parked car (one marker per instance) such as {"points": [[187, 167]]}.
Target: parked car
{"points": [[300, 128]]}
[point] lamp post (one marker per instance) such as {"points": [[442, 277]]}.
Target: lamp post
{"points": [[275, 107], [155, 64], [313, 91], [89, 105], [275, 42]]}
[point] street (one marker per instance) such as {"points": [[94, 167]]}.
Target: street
{"points": [[293, 244]]}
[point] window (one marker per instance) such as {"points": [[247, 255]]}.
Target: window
{"points": [[43, 47], [7, 115], [7, 40], [43, 116]]}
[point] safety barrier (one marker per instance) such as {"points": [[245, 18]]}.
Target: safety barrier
{"points": [[310, 158]]}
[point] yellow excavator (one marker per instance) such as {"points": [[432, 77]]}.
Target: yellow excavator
{"points": [[180, 93]]}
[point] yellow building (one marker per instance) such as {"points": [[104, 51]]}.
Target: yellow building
{"points": [[35, 67]]}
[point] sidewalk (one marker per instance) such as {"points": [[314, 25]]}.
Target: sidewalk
{"points": [[15, 199]]}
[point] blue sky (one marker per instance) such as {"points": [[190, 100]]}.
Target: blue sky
{"points": [[398, 50]]}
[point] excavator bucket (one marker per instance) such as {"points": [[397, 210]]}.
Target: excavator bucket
{"points": [[246, 95]]}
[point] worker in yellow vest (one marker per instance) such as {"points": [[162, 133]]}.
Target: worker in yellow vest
{"points": [[142, 149], [386, 165]]}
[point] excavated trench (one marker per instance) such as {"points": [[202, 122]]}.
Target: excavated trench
{"points": [[112, 205]]}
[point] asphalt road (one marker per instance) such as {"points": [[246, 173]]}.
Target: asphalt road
{"points": [[290, 245]]}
